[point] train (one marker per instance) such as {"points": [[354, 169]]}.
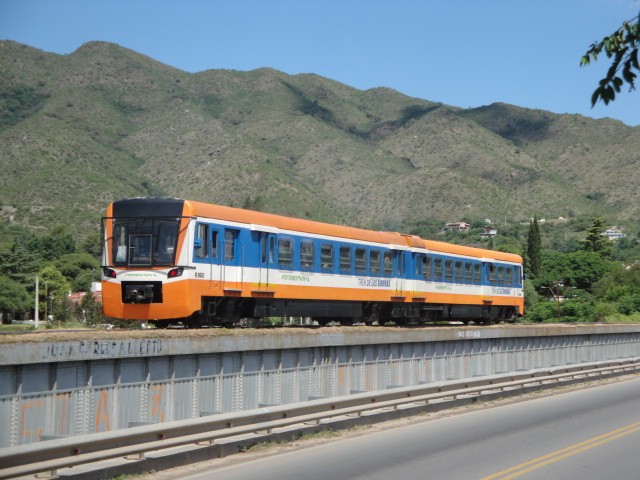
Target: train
{"points": [[167, 261]]}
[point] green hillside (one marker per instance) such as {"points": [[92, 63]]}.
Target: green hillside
{"points": [[80, 130]]}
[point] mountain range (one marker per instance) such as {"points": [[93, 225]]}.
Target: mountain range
{"points": [[78, 131]]}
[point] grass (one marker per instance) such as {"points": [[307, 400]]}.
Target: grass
{"points": [[16, 328]]}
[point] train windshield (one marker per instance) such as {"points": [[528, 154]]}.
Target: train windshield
{"points": [[144, 242]]}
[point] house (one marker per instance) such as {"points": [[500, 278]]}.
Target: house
{"points": [[457, 226], [489, 232], [613, 233]]}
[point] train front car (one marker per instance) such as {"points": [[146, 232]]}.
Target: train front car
{"points": [[144, 260]]}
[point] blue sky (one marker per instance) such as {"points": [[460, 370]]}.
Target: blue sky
{"points": [[465, 53]]}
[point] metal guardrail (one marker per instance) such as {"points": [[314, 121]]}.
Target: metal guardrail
{"points": [[51, 455]]}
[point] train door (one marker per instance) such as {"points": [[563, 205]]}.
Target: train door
{"points": [[267, 258], [215, 267], [399, 259], [232, 260], [488, 279], [418, 273]]}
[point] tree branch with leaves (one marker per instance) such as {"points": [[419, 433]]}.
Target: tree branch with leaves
{"points": [[622, 47]]}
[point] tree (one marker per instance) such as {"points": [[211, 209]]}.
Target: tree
{"points": [[54, 289], [19, 263], [595, 241], [534, 248], [577, 270], [92, 245], [58, 242], [622, 46], [89, 311], [80, 269], [13, 298]]}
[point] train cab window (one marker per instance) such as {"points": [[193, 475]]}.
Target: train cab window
{"points": [[306, 254], [374, 262], [437, 267], [345, 259], [263, 248], [284, 252], [428, 272], [361, 260], [448, 270], [468, 273], [459, 273], [388, 263], [477, 273], [509, 276], [201, 247], [326, 257]]}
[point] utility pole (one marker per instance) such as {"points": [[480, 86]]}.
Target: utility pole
{"points": [[36, 315]]}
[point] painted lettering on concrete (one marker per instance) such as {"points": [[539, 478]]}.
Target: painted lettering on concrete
{"points": [[102, 349]]}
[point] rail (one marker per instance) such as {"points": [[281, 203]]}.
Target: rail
{"points": [[51, 455]]}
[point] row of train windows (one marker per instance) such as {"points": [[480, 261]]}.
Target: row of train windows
{"points": [[203, 240], [466, 271], [377, 261], [372, 261]]}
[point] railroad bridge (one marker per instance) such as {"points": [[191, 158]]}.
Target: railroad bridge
{"points": [[76, 383]]}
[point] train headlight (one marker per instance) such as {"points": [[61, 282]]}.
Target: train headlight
{"points": [[108, 272], [175, 272]]}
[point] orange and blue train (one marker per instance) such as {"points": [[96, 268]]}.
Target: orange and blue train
{"points": [[168, 260]]}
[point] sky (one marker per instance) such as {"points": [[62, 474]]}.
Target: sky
{"points": [[464, 53]]}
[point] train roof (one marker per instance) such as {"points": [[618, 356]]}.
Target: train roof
{"points": [[269, 220], [150, 206]]}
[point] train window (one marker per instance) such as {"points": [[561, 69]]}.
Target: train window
{"points": [[437, 265], [400, 259], [500, 275], [326, 257], [263, 248], [374, 262], [509, 276], [459, 272], [419, 261], [284, 252], [361, 260], [468, 272], [400, 256], [388, 263], [477, 273], [214, 244], [306, 254], [272, 249], [345, 259], [448, 270], [229, 245], [201, 249], [492, 274], [428, 272]]}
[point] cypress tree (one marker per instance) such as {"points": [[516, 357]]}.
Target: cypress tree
{"points": [[595, 242], [534, 248]]}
